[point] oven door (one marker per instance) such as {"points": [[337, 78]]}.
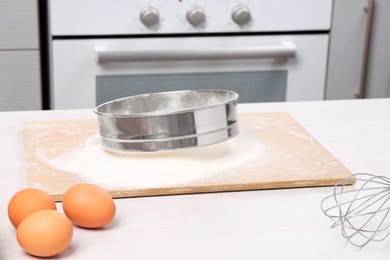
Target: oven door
{"points": [[88, 72]]}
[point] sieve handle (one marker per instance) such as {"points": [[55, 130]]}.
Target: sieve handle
{"points": [[282, 51]]}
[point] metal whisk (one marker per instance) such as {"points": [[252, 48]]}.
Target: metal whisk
{"points": [[361, 210]]}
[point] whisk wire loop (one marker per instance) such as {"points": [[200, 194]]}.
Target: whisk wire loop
{"points": [[361, 211]]}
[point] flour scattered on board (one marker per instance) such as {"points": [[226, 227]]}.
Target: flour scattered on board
{"points": [[155, 169]]}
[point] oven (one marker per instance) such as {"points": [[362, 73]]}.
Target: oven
{"points": [[263, 50]]}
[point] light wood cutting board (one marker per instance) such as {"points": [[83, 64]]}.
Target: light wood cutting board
{"points": [[290, 157]]}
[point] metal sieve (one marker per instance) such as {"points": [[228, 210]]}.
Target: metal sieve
{"points": [[168, 120]]}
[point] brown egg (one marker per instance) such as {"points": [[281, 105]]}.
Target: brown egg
{"points": [[27, 201], [45, 233], [88, 206]]}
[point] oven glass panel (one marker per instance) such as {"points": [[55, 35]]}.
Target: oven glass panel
{"points": [[252, 86]]}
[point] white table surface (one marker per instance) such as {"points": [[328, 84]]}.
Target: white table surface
{"points": [[266, 224]]}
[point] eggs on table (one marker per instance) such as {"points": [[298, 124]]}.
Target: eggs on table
{"points": [[27, 201], [43, 231], [88, 206]]}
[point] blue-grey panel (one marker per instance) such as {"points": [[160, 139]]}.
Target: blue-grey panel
{"points": [[252, 86]]}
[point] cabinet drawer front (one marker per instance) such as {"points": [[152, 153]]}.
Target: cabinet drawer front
{"points": [[19, 80], [18, 24]]}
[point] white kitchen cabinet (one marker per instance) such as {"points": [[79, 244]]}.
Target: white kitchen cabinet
{"points": [[378, 79], [20, 83], [19, 80], [345, 65], [18, 24]]}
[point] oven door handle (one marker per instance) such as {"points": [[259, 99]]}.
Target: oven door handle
{"points": [[283, 51]]}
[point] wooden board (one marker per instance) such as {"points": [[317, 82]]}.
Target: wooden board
{"points": [[289, 157]]}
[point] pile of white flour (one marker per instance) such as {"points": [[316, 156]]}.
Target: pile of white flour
{"points": [[155, 169]]}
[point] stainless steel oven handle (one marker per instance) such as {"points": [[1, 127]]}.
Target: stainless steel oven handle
{"points": [[283, 51]]}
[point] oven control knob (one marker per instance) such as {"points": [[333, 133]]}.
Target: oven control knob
{"points": [[241, 15], [149, 16], [196, 15]]}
